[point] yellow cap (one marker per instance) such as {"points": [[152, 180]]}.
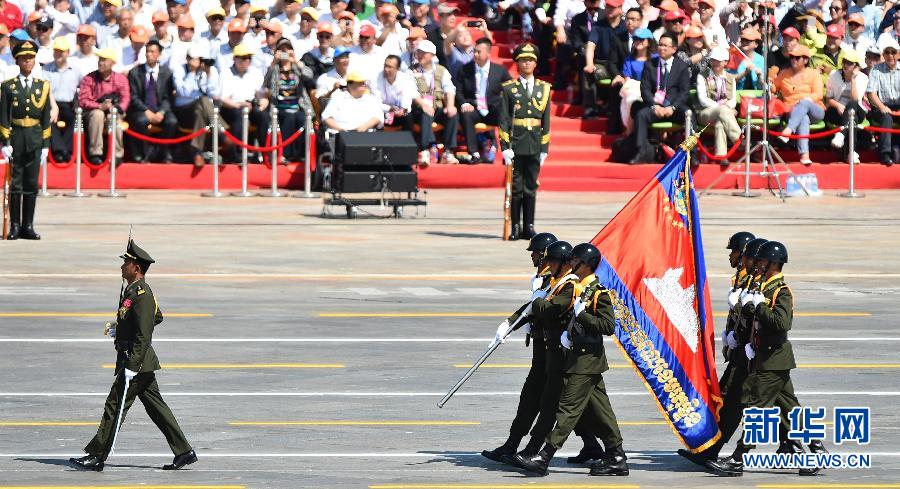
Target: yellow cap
{"points": [[258, 8], [62, 43], [852, 56], [356, 77], [216, 11], [116, 3], [106, 53], [310, 12], [243, 50]]}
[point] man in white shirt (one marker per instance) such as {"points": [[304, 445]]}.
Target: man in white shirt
{"points": [[84, 58], [236, 31], [367, 57], [133, 54], [119, 38], [179, 48], [396, 91], [435, 102], [354, 110], [304, 38], [856, 37], [392, 38], [64, 22], [216, 36], [290, 19], [334, 79], [241, 86]]}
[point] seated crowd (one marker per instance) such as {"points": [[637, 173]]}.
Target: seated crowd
{"points": [[419, 65]]}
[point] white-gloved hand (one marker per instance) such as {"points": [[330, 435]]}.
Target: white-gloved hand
{"points": [[538, 294], [758, 298], [44, 153], [536, 283], [543, 157], [129, 374], [501, 331], [725, 337], [749, 351], [109, 329], [527, 328], [746, 297], [566, 342], [733, 297], [7, 151], [731, 340], [111, 333], [508, 156], [579, 306]]}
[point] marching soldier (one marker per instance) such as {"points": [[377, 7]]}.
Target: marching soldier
{"points": [[24, 138], [136, 363], [524, 136], [592, 318]]}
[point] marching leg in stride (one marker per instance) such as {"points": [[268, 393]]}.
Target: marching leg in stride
{"points": [[136, 363]]}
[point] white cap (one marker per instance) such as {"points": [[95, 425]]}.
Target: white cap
{"points": [[196, 51], [426, 46], [888, 42], [719, 53]]}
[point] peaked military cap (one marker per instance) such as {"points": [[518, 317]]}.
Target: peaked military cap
{"points": [[135, 252], [27, 48], [526, 50]]}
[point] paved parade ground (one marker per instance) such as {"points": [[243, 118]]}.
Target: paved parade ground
{"points": [[301, 351]]}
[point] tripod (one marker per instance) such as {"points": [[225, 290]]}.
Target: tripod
{"points": [[769, 157]]}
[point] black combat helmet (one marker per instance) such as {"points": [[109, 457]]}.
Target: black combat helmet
{"points": [[541, 241], [739, 240], [752, 246], [587, 253], [773, 251], [559, 251]]}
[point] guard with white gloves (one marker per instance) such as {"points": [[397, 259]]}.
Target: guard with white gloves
{"points": [[136, 364], [524, 127], [734, 298], [25, 133], [749, 351], [500, 336]]}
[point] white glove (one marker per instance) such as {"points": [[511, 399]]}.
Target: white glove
{"points": [[129, 374], [501, 332], [537, 283], [508, 155], [538, 294], [579, 306], [109, 329], [730, 340], [758, 298], [746, 297], [111, 333], [7, 151], [725, 337], [733, 297], [527, 328], [543, 157], [566, 342], [44, 153], [749, 351]]}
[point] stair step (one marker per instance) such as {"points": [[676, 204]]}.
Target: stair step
{"points": [[577, 156], [572, 124], [588, 184]]}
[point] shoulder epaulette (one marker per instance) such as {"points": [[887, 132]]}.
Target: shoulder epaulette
{"points": [[508, 82]]}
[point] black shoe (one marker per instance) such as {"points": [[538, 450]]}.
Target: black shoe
{"points": [[514, 232], [95, 160], [167, 157], [28, 204], [528, 232], [729, 467], [465, 159], [88, 462], [896, 157], [15, 216], [137, 158], [536, 463], [591, 113], [508, 448], [587, 454], [697, 458], [815, 446], [887, 159], [180, 461], [613, 464], [643, 156]]}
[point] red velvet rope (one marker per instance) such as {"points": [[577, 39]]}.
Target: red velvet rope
{"points": [[815, 135], [62, 166], [882, 129], [177, 140], [84, 156], [727, 156], [265, 149]]}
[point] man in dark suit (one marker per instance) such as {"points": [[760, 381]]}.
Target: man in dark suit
{"points": [[604, 37], [478, 88], [152, 93], [574, 39], [665, 88]]}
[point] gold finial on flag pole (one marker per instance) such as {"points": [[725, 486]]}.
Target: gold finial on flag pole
{"points": [[691, 140]]}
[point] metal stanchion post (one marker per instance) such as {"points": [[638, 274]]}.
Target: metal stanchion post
{"points": [[43, 192], [245, 135], [307, 172], [274, 158], [216, 127], [746, 192], [851, 193], [688, 127], [113, 127], [79, 131]]}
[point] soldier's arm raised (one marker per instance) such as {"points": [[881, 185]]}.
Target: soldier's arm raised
{"points": [[144, 310], [780, 317], [598, 317]]}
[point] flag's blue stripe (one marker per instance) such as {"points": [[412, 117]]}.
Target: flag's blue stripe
{"points": [[700, 270]]}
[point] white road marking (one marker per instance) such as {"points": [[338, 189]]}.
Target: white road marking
{"points": [[40, 291], [367, 340], [423, 291], [345, 455], [368, 291], [403, 394]]}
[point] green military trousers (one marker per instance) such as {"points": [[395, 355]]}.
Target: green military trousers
{"points": [[582, 394], [525, 176], [144, 387], [530, 397], [775, 388]]}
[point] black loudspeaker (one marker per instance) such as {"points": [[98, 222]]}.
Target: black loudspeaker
{"points": [[375, 162]]}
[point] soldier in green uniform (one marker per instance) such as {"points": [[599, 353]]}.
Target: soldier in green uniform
{"points": [[592, 318], [524, 136], [770, 354], [135, 360], [24, 138]]}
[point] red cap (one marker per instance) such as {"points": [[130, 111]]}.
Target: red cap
{"points": [[791, 32], [367, 31], [614, 3], [668, 5], [86, 30], [34, 16], [159, 16], [237, 25], [186, 22], [834, 30], [856, 18], [139, 34], [674, 15]]}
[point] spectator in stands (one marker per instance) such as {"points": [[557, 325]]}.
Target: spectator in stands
{"points": [[873, 57], [133, 54], [10, 15], [242, 85], [152, 91], [290, 17], [84, 59], [606, 35], [179, 48], [751, 69], [459, 47], [574, 21], [305, 38], [419, 14], [107, 26], [255, 25], [408, 58], [800, 87], [176, 10], [162, 34], [346, 35], [196, 85], [392, 38], [665, 88], [396, 90], [216, 36], [363, 9], [718, 98], [287, 80], [321, 58], [734, 17], [826, 59], [694, 51], [435, 102], [838, 13], [709, 24], [335, 78], [98, 93], [673, 23], [478, 87], [622, 49], [856, 37], [790, 38], [845, 90], [87, 11], [367, 57], [627, 82], [884, 95], [42, 26], [336, 8], [64, 80], [266, 55], [437, 33], [892, 32], [143, 12], [236, 30], [352, 110]]}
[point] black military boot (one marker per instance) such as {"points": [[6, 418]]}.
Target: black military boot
{"points": [[88, 462], [528, 217], [537, 463], [515, 211], [815, 446], [28, 204], [15, 215], [530, 450], [508, 448], [698, 458], [589, 452], [732, 466], [613, 463], [180, 461]]}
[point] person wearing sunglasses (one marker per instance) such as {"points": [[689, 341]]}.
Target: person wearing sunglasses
{"points": [[801, 90], [884, 95]]}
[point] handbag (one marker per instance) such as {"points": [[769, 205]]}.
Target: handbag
{"points": [[754, 107]]}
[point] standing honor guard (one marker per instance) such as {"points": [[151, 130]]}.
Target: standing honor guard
{"points": [[524, 136], [24, 138], [136, 363]]}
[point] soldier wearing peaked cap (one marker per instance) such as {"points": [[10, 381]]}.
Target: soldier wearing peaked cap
{"points": [[136, 361], [24, 138], [524, 136]]}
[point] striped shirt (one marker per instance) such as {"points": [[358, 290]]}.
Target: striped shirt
{"points": [[886, 83]]}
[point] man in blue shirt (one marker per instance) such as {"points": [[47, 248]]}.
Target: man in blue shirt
{"points": [[64, 79], [196, 86]]}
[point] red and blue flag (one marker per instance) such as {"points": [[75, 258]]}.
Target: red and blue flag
{"points": [[653, 263]]}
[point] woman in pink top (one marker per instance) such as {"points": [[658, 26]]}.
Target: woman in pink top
{"points": [[801, 90]]}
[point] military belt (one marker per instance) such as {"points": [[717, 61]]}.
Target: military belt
{"points": [[528, 122], [588, 347], [26, 122], [125, 347]]}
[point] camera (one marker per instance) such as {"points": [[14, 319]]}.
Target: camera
{"points": [[282, 55], [473, 23], [401, 16], [208, 61]]}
